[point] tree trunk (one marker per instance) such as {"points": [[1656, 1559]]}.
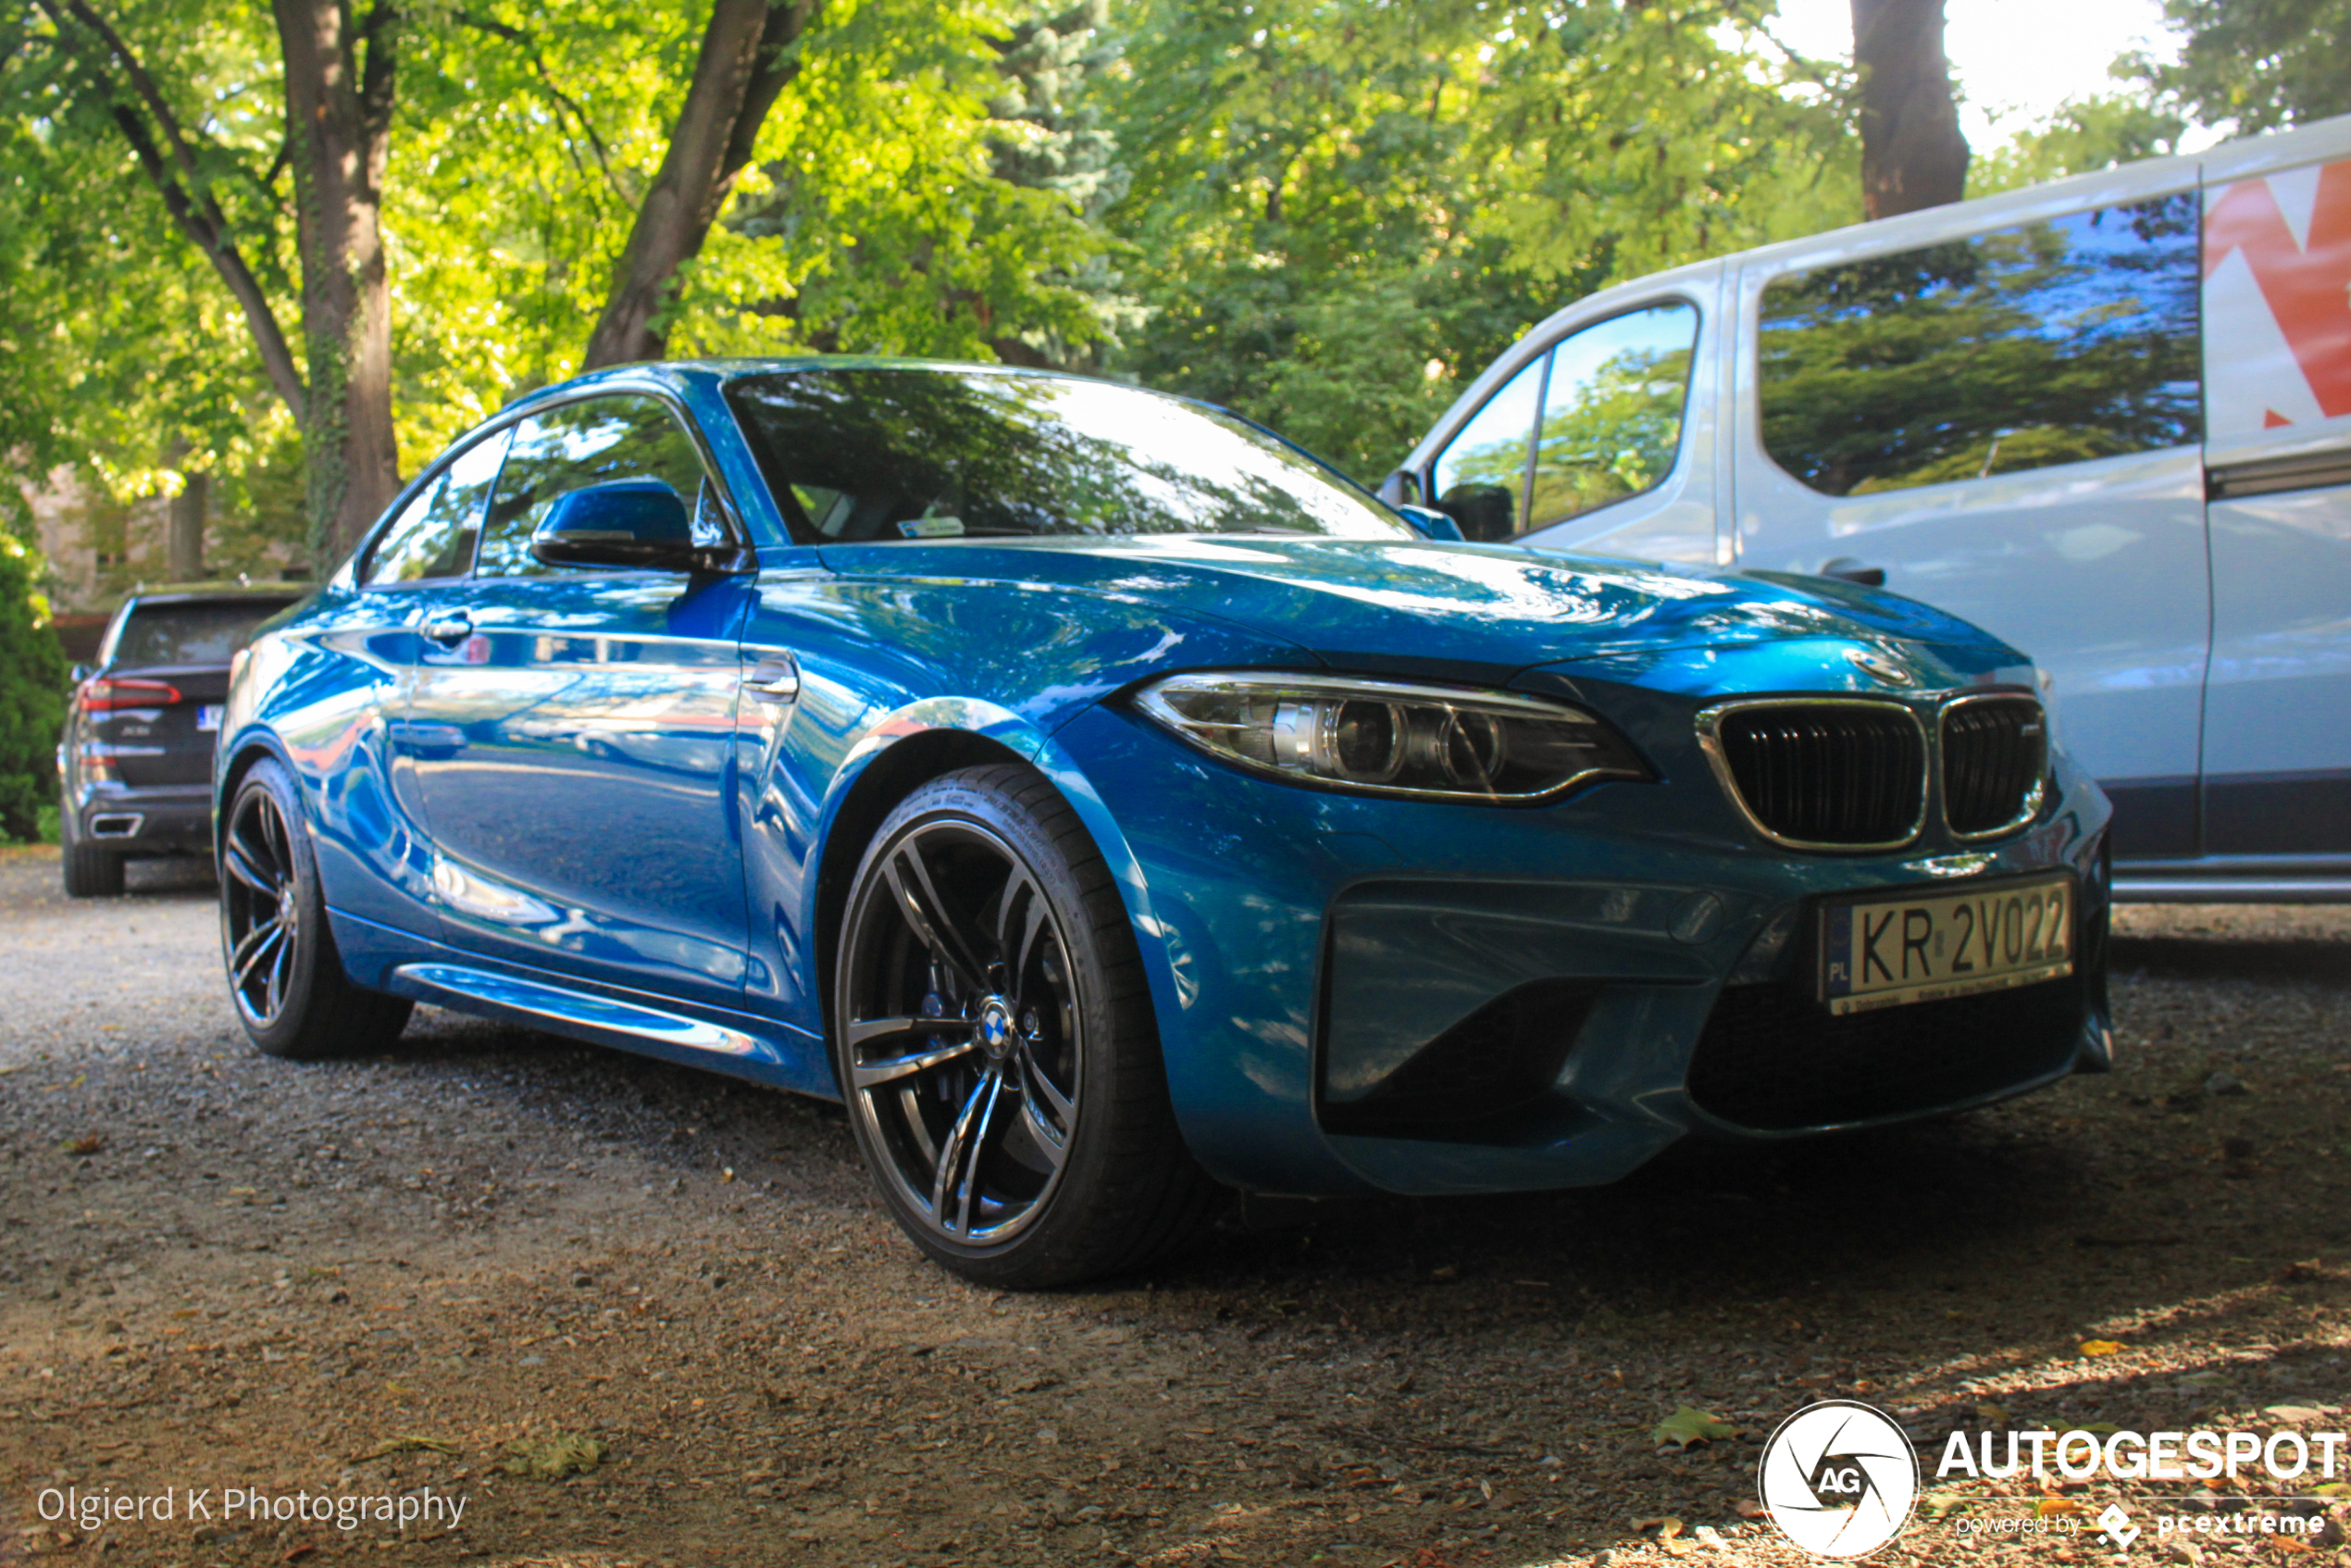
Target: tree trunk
{"points": [[1913, 154], [187, 520], [746, 60], [339, 97]]}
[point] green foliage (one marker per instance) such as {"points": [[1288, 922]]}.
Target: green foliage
{"points": [[32, 697], [1323, 213], [1343, 208], [2084, 135], [123, 355], [2262, 63]]}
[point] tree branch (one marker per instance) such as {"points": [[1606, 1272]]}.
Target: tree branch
{"points": [[776, 65], [380, 33], [185, 196], [563, 101]]}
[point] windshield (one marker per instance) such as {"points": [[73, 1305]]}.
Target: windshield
{"points": [[867, 455], [189, 633]]}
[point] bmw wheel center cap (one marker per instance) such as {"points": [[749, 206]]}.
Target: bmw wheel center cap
{"points": [[995, 1027]]}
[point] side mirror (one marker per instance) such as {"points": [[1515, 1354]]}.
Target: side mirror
{"points": [[635, 523], [1429, 523], [1851, 570], [1488, 513]]}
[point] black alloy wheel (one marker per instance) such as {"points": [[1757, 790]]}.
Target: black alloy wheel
{"points": [[995, 1042], [284, 974]]}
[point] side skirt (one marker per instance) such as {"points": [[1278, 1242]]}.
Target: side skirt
{"points": [[763, 1051], [2237, 878]]}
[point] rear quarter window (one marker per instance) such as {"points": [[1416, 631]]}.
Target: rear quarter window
{"points": [[2045, 343]]}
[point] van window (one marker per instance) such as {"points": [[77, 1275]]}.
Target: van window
{"points": [[2050, 343], [1481, 475], [1612, 411]]}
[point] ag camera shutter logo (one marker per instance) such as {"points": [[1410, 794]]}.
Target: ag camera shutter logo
{"points": [[1838, 1478]]}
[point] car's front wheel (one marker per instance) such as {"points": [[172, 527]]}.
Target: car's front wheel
{"points": [[994, 1038], [284, 974]]}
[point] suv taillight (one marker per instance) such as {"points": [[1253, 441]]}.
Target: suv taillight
{"points": [[103, 695]]}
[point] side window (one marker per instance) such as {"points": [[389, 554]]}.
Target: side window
{"points": [[434, 535], [1481, 476], [2050, 343], [579, 444], [1612, 411]]}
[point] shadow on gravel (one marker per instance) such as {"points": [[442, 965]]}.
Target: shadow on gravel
{"points": [[182, 877], [2310, 962], [1715, 1222]]}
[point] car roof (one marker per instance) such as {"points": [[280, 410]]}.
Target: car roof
{"points": [[678, 373]]}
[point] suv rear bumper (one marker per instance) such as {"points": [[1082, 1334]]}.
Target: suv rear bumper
{"points": [[174, 819]]}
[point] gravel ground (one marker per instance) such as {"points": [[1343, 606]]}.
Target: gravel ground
{"points": [[635, 1315]]}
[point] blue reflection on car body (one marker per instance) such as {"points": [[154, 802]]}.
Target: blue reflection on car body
{"points": [[559, 799]]}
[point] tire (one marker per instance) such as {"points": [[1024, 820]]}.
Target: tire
{"points": [[994, 1039], [285, 978], [90, 872]]}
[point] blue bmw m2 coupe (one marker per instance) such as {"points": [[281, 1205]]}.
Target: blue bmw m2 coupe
{"points": [[1114, 805]]}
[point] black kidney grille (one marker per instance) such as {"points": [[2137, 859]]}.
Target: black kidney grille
{"points": [[1994, 752], [1828, 773]]}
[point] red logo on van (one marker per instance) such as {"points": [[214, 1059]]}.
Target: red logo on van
{"points": [[2307, 288]]}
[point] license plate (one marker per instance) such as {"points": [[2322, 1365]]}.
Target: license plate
{"points": [[209, 715], [1890, 951]]}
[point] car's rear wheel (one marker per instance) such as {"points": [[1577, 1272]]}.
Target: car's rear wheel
{"points": [[994, 1038], [90, 872], [284, 974]]}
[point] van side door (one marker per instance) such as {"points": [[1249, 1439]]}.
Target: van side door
{"points": [[2277, 341], [2002, 413]]}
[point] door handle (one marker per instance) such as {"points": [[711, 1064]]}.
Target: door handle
{"points": [[448, 630], [1851, 570], [774, 679]]}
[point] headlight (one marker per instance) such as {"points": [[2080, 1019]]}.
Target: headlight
{"points": [[1383, 738]]}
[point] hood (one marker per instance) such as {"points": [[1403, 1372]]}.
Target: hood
{"points": [[1418, 607]]}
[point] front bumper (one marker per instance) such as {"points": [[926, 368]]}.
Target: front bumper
{"points": [[1362, 994]]}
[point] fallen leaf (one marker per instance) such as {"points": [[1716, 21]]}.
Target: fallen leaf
{"points": [[409, 1442], [82, 1148], [1667, 1528], [561, 1455], [2048, 1506], [1690, 1424], [1941, 1505], [2103, 1347], [1991, 1414]]}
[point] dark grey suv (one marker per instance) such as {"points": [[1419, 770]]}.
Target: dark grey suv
{"points": [[135, 764]]}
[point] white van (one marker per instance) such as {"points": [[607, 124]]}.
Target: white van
{"points": [[2106, 418]]}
